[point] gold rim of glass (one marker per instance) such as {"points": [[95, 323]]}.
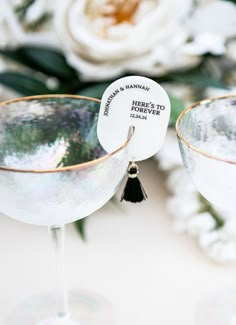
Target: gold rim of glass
{"points": [[181, 137], [68, 168]]}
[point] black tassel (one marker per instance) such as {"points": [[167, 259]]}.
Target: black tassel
{"points": [[133, 191]]}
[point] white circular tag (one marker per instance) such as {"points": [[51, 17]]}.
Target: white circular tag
{"points": [[139, 102]]}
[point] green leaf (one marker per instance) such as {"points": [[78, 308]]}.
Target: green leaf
{"points": [[80, 227], [207, 207], [198, 78], [50, 61], [44, 59], [177, 106], [23, 83], [95, 91], [21, 9], [37, 24], [15, 55]]}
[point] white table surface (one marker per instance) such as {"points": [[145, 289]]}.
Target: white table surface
{"points": [[131, 256]]}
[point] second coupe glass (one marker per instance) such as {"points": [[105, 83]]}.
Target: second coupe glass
{"points": [[207, 140]]}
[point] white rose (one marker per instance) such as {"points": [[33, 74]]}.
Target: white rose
{"points": [[105, 38], [222, 251]]}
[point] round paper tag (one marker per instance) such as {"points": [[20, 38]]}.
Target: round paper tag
{"points": [[139, 102]]}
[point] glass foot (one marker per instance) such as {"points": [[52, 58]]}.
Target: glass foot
{"points": [[86, 308], [219, 309]]}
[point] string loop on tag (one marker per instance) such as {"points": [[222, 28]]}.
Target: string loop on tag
{"points": [[133, 191]]}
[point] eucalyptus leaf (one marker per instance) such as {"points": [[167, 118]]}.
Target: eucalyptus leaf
{"points": [[44, 59], [21, 8], [177, 106], [16, 56], [207, 207], [23, 83], [198, 78], [95, 91], [50, 61]]}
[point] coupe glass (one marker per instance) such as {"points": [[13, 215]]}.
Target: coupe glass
{"points": [[207, 139], [53, 171]]}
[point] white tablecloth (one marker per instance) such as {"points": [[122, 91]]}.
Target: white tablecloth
{"points": [[131, 256]]}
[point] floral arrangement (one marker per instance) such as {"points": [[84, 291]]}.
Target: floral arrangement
{"points": [[191, 214], [81, 46], [101, 40]]}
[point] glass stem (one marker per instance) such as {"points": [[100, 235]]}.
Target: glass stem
{"points": [[57, 234]]}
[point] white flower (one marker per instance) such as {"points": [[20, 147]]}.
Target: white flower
{"points": [[184, 210], [178, 181], [183, 205], [105, 38], [208, 238], [169, 155], [201, 223], [218, 246], [204, 43], [211, 24], [222, 251], [230, 228], [14, 31]]}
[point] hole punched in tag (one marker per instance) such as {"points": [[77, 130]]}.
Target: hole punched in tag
{"points": [[134, 191]]}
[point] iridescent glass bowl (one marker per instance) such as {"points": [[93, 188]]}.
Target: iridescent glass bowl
{"points": [[53, 171], [207, 139]]}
